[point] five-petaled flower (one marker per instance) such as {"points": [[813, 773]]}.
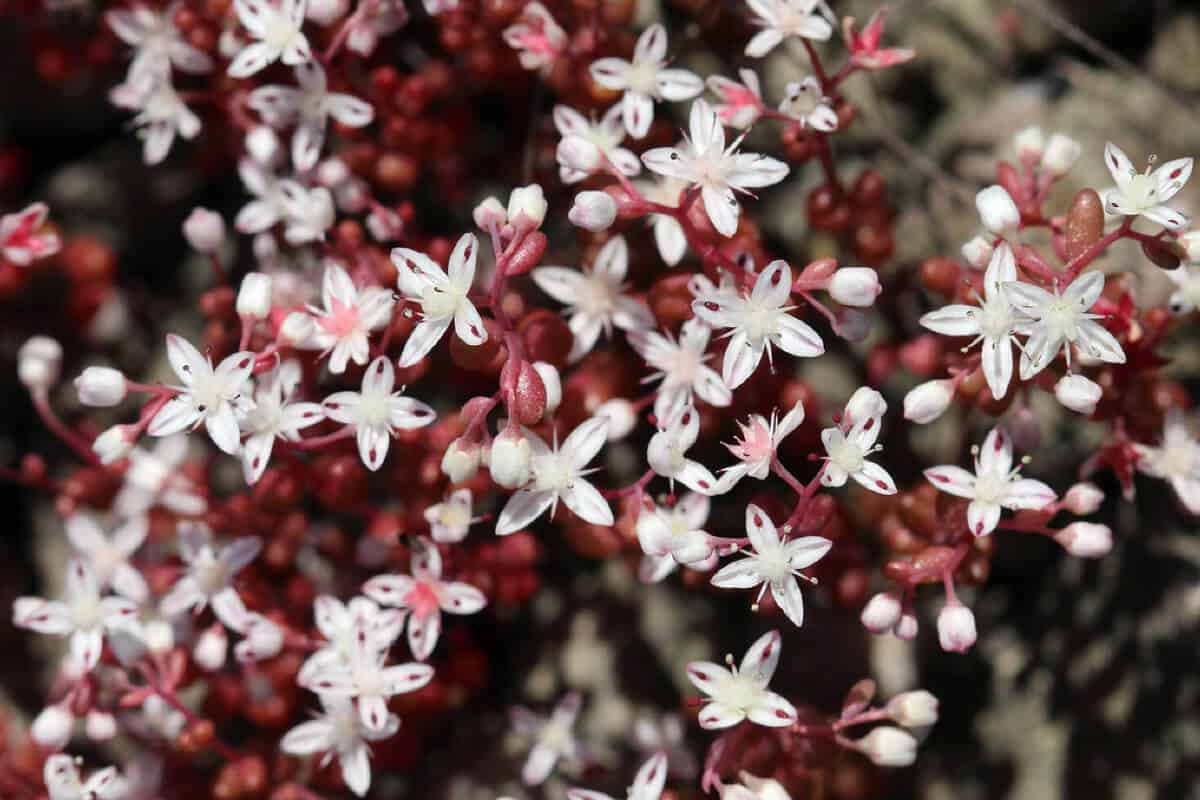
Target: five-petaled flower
{"points": [[680, 363], [848, 446], [450, 519], [864, 48], [781, 19], [667, 450], [217, 397], [156, 40], [161, 113], [63, 781], [1176, 459], [279, 31], [591, 143], [537, 38], [755, 449], [108, 555], [350, 315], [552, 737], [1145, 193], [673, 536], [209, 576], [741, 103], [741, 693], [443, 296], [338, 731], [645, 79], [274, 416], [376, 412]]}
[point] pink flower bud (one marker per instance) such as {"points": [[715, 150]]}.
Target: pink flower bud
{"points": [[977, 252], [1083, 498], [211, 648], [889, 747], [461, 460], [254, 297], [1029, 143], [855, 286], [527, 206], [52, 727], [296, 329], [1078, 393], [100, 726], [913, 709], [1060, 155], [908, 627], [956, 628], [100, 387], [204, 230], [593, 211], [621, 416], [881, 613], [577, 153], [511, 459], [490, 213], [928, 401], [553, 384], [1085, 539], [39, 362], [997, 210]]}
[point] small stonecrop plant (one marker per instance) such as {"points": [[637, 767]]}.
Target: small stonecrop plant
{"points": [[409, 391]]}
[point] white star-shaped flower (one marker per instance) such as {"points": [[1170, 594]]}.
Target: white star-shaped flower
{"points": [[645, 79], [108, 555], [339, 732], [376, 412], [756, 448], [558, 474], [450, 519], [1186, 296], [279, 31], [153, 477], [209, 576], [781, 19], [426, 596], [1145, 193], [993, 322], [64, 783], [995, 484], [775, 563], [1057, 321], [217, 397], [309, 107], [847, 448], [681, 366], [1176, 459], [647, 784], [756, 322], [349, 316], [803, 101], [741, 693], [161, 112], [156, 40], [340, 623], [268, 207], [595, 297], [82, 614], [673, 536], [444, 297], [274, 416], [595, 140], [667, 450], [537, 38], [718, 170], [552, 737]]}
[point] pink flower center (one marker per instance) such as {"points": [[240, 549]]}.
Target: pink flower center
{"points": [[755, 443], [423, 600], [341, 320]]}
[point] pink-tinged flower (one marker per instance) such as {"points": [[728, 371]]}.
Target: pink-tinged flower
{"points": [[208, 579], [755, 448], [864, 48], [108, 555], [1176, 459], [275, 416], [558, 474], [156, 41], [279, 31], [349, 316], [376, 412], [450, 519], [219, 397], [22, 238], [775, 563], [372, 22], [82, 614], [847, 450], [781, 19], [339, 732], [444, 297], [1145, 194], [673, 536], [426, 596], [596, 297], [718, 171], [64, 783], [647, 784], [340, 624], [586, 144], [995, 484], [552, 737], [308, 108], [645, 79], [161, 113], [537, 38], [804, 102], [667, 450], [756, 322], [741, 693], [741, 103], [680, 364]]}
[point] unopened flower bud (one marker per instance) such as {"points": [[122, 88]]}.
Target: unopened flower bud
{"points": [[977, 252], [100, 726], [39, 362], [326, 12], [881, 613], [865, 403], [855, 286], [956, 628], [461, 460], [1029, 143], [264, 639], [913, 709], [577, 153], [997, 210], [114, 443], [159, 636], [254, 297], [761, 788], [1083, 498], [925, 403], [100, 387], [211, 648], [333, 172], [889, 747], [908, 627], [593, 211], [621, 416], [552, 382], [1078, 393], [296, 329], [1085, 539], [204, 230], [262, 144], [1061, 154], [527, 206], [1190, 242], [490, 213], [52, 727], [511, 459]]}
